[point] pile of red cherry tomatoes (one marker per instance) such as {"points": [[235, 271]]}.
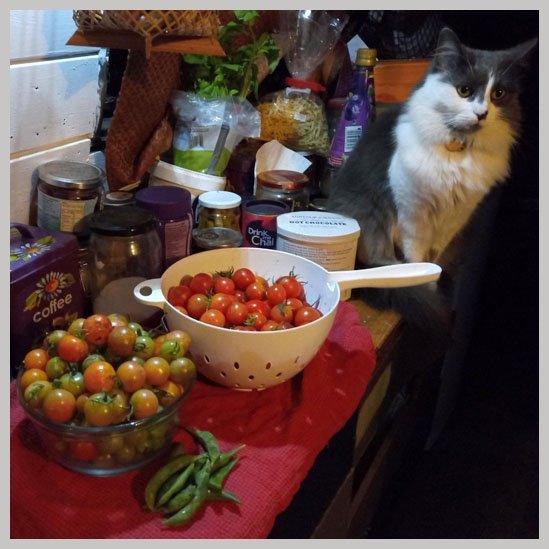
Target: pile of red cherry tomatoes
{"points": [[242, 300]]}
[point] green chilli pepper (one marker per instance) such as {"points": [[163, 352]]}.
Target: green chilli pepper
{"points": [[208, 441], [176, 486], [184, 515], [222, 495], [217, 480], [181, 499], [225, 457], [161, 476]]}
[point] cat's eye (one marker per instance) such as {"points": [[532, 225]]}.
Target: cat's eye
{"points": [[464, 91], [498, 93]]}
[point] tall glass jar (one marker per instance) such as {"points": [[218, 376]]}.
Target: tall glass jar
{"points": [[219, 209], [124, 250], [285, 186]]}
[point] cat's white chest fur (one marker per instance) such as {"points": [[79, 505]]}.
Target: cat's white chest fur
{"points": [[437, 190]]}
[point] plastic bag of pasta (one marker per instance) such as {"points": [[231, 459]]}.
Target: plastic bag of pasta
{"points": [[295, 116]]}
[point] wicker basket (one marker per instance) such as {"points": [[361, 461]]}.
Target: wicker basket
{"points": [[150, 23]]}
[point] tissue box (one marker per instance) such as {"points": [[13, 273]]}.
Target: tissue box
{"points": [[46, 289]]}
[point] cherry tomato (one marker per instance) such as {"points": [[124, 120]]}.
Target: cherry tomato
{"points": [[224, 285], [90, 359], [213, 317], [170, 350], [36, 392], [182, 310], [98, 410], [201, 283], [131, 375], [242, 278], [121, 341], [157, 344], [261, 281], [197, 305], [294, 303], [73, 383], [76, 328], [256, 305], [137, 328], [126, 454], [96, 329], [256, 319], [80, 401], [56, 367], [179, 295], [59, 405], [255, 291], [185, 280], [118, 320], [120, 406], [305, 315], [170, 393], [36, 359], [182, 338], [32, 375], [157, 371], [144, 403], [221, 302], [282, 313], [182, 371], [276, 294], [245, 328], [52, 340], [285, 325], [239, 295], [72, 349], [99, 376], [236, 313], [83, 450], [143, 347], [292, 286], [269, 326]]}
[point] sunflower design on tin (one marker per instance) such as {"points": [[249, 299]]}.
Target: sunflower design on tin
{"points": [[48, 287], [31, 249]]}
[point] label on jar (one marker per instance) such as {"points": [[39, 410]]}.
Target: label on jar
{"points": [[177, 239], [56, 214]]}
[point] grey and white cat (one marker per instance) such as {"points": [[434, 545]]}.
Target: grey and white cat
{"points": [[420, 171]]}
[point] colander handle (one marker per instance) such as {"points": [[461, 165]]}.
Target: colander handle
{"points": [[149, 292], [388, 276]]}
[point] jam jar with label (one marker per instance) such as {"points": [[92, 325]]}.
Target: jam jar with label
{"points": [[67, 192]]}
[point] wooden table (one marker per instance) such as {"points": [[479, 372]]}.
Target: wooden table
{"points": [[366, 453]]}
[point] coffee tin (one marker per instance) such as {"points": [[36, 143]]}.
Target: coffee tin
{"points": [[259, 222]]}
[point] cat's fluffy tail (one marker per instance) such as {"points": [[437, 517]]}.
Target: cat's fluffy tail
{"points": [[424, 306]]}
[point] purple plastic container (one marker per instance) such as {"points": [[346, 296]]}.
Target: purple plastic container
{"points": [[173, 212], [45, 286]]}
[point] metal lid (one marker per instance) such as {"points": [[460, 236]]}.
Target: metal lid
{"points": [[321, 227], [266, 207], [282, 179], [118, 198], [122, 221], [366, 57], [221, 200], [217, 237], [165, 202], [68, 174]]}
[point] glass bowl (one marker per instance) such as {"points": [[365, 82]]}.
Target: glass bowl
{"points": [[111, 450]]}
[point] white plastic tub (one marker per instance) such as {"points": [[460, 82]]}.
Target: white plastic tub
{"points": [[328, 239], [163, 173]]}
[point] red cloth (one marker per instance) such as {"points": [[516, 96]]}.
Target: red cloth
{"points": [[284, 428]]}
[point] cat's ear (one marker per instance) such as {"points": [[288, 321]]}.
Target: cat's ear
{"points": [[449, 50], [520, 55]]}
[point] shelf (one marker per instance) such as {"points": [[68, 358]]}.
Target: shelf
{"points": [[128, 40]]}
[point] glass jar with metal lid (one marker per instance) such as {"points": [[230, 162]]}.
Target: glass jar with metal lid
{"points": [[215, 238], [67, 191], [219, 209], [285, 186], [125, 249], [118, 198]]}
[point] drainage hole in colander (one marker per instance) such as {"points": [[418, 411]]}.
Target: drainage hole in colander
{"points": [[206, 359], [250, 377], [236, 365], [236, 385], [223, 374], [279, 374], [268, 365]]}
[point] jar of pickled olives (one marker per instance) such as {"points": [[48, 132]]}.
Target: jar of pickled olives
{"points": [[219, 209]]}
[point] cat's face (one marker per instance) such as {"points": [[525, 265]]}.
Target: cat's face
{"points": [[474, 88]]}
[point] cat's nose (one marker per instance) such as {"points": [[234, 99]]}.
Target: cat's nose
{"points": [[482, 115]]}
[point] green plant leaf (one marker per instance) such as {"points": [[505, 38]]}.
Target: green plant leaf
{"points": [[246, 15]]}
